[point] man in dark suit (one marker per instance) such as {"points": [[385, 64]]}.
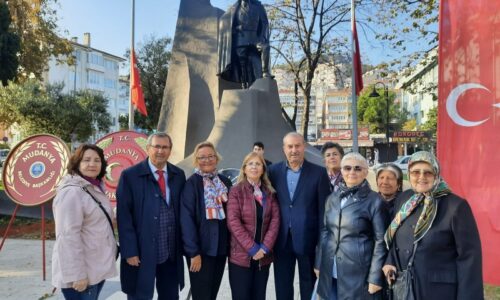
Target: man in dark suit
{"points": [[148, 200], [302, 189]]}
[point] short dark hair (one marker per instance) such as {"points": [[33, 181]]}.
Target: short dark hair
{"points": [[76, 159], [329, 145], [259, 144]]}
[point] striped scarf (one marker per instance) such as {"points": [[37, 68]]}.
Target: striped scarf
{"points": [[257, 192], [426, 218], [214, 193]]}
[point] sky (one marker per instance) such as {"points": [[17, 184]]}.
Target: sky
{"points": [[109, 23]]}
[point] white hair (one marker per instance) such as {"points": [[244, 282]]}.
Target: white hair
{"points": [[354, 156]]}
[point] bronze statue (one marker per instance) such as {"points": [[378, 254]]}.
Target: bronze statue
{"points": [[244, 43]]}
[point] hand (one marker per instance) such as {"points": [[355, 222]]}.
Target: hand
{"points": [[134, 261], [316, 271], [260, 254], [80, 285], [373, 288], [390, 273], [195, 264]]}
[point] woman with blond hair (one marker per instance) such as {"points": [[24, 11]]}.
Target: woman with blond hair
{"points": [[253, 221], [203, 223]]}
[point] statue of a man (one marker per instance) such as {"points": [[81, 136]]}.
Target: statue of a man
{"points": [[244, 43]]}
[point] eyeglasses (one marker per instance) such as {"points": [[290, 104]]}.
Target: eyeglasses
{"points": [[425, 173], [160, 147], [206, 158], [254, 164], [355, 168]]}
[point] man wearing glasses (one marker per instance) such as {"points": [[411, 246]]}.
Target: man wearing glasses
{"points": [[301, 188], [148, 199]]}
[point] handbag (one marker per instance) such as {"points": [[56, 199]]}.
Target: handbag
{"points": [[403, 288], [107, 217]]}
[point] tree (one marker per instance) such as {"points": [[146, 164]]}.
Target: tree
{"points": [[431, 123], [373, 111], [9, 46], [34, 22], [39, 109], [302, 33], [153, 57], [404, 22]]}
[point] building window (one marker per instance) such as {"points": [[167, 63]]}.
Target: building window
{"points": [[94, 77], [109, 83], [96, 59], [110, 65]]}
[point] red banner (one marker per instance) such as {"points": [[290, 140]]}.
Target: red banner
{"points": [[135, 81], [469, 115]]}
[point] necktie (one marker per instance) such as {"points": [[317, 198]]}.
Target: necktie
{"points": [[161, 183]]}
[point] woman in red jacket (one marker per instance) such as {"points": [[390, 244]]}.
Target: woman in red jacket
{"points": [[253, 220]]}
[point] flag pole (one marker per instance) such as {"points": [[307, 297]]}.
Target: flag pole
{"points": [[354, 109], [131, 106]]}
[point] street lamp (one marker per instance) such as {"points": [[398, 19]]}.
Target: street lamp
{"points": [[386, 96]]}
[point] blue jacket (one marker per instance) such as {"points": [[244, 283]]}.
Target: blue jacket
{"points": [[138, 198], [304, 213], [199, 235]]}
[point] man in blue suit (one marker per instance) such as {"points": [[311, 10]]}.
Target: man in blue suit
{"points": [[302, 189], [148, 201]]}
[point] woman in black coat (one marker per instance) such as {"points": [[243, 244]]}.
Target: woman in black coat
{"points": [[203, 223], [447, 260], [352, 250]]}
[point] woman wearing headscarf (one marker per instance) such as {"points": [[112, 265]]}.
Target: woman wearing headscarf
{"points": [[435, 230], [253, 218], [84, 253], [203, 223], [389, 178], [351, 250]]}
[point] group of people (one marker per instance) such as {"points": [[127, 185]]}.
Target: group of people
{"points": [[348, 241]]}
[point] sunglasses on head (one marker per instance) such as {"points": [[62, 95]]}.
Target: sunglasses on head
{"points": [[355, 168]]}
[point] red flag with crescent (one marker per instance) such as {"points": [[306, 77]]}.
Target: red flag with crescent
{"points": [[137, 95], [469, 115]]}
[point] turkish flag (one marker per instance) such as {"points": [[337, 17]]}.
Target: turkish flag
{"points": [[356, 58], [469, 115], [136, 88]]}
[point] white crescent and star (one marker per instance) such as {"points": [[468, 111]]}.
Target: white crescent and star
{"points": [[109, 170], [451, 104]]}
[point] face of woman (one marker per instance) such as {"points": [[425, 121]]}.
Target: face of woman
{"points": [[254, 169], [332, 159], [353, 172], [91, 164], [207, 160], [387, 184], [422, 177]]}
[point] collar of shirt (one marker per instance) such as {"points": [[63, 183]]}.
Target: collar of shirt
{"points": [[153, 170], [290, 168]]}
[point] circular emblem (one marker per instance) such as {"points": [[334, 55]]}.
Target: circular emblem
{"points": [[37, 169], [122, 149], [34, 168]]}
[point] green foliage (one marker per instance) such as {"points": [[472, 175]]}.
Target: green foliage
{"points": [[373, 111], [39, 109], [431, 123], [153, 57], [35, 23], [123, 121], [9, 47]]}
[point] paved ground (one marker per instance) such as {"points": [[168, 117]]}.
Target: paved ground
{"points": [[21, 275]]}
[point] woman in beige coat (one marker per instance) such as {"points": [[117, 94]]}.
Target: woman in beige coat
{"points": [[85, 248]]}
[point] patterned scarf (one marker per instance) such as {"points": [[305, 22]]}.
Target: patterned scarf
{"points": [[346, 191], [335, 179], [429, 211], [257, 192], [215, 193]]}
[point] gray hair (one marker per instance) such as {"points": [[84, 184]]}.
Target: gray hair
{"points": [[293, 134], [159, 135], [391, 168], [354, 156]]}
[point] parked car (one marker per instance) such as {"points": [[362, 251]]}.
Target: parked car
{"points": [[3, 156], [402, 163], [231, 173]]}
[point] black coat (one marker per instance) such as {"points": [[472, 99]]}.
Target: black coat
{"points": [[447, 263], [138, 207], [199, 235], [355, 235]]}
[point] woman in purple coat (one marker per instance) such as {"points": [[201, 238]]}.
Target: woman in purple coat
{"points": [[253, 221]]}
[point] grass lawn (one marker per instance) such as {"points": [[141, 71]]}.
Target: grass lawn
{"points": [[491, 292]]}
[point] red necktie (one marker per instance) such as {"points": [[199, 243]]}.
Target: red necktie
{"points": [[161, 183]]}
